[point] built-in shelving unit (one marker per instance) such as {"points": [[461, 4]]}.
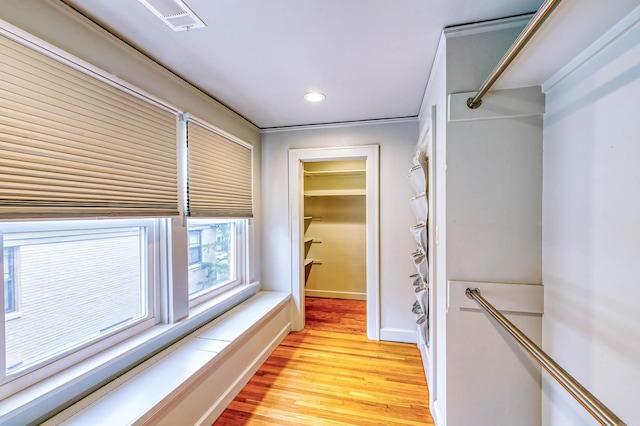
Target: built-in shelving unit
{"points": [[335, 221], [335, 192], [307, 263], [320, 173], [323, 181]]}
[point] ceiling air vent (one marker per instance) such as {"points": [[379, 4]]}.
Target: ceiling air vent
{"points": [[175, 13]]}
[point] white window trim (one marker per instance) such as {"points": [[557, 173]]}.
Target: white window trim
{"points": [[16, 313], [20, 379], [34, 403], [241, 259], [45, 390]]}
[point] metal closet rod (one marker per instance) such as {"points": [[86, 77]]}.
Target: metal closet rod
{"points": [[592, 404], [536, 21]]}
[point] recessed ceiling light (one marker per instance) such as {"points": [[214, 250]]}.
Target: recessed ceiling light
{"points": [[314, 97]]}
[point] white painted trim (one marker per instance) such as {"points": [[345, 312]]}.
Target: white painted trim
{"points": [[426, 362], [512, 103], [487, 26], [625, 25], [190, 117], [423, 142], [339, 125], [432, 257], [398, 335], [440, 54], [438, 419], [36, 402], [370, 153], [232, 391], [352, 295], [226, 352], [505, 297]]}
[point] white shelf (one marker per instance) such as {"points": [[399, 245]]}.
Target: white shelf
{"points": [[316, 173], [335, 192]]}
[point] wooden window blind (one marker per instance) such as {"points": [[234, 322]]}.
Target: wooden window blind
{"points": [[74, 145], [219, 175]]}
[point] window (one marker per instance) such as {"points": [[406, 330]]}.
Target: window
{"points": [[9, 280], [195, 247], [76, 144], [219, 241], [219, 203], [80, 281]]}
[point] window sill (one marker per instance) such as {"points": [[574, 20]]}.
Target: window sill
{"points": [[12, 315], [161, 390], [57, 392]]}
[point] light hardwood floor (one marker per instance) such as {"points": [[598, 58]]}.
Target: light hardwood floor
{"points": [[331, 374]]}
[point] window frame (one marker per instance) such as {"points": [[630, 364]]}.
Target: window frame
{"points": [[23, 377], [240, 264], [15, 305], [192, 247]]}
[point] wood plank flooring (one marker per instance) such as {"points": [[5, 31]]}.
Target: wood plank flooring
{"points": [[331, 374]]}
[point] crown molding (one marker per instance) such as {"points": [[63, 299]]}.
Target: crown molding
{"points": [[339, 124]]}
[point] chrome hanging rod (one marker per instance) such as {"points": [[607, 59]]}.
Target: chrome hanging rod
{"points": [[536, 21], [592, 404]]}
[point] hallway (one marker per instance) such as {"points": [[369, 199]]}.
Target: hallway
{"points": [[330, 374]]}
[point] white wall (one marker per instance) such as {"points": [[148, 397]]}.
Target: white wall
{"points": [[591, 231], [397, 141], [493, 166]]}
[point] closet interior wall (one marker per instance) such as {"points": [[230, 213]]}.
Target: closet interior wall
{"points": [[335, 229]]}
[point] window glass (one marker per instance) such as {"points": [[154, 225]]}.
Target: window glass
{"points": [[216, 254], [195, 246], [78, 282], [9, 280]]}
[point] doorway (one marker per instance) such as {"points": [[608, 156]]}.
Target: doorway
{"points": [[369, 157], [335, 229]]}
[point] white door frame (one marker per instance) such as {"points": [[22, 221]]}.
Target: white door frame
{"points": [[369, 153]]}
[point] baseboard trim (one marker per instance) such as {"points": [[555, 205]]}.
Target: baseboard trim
{"points": [[336, 294], [438, 420], [400, 335]]}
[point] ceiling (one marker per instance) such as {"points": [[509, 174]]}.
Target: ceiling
{"points": [[372, 59]]}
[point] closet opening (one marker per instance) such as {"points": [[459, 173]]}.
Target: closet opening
{"points": [[334, 228], [334, 234]]}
